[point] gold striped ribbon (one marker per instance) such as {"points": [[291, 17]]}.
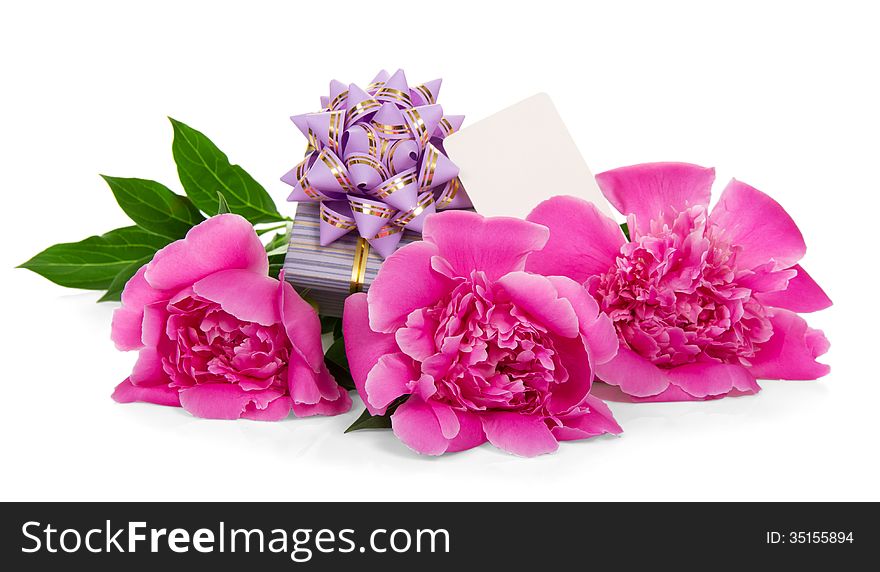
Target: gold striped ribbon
{"points": [[338, 100], [386, 93], [424, 202], [337, 169], [417, 124], [359, 265], [429, 97], [400, 181], [449, 191], [429, 165]]}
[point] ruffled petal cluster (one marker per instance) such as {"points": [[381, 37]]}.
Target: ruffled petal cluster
{"points": [[219, 337], [466, 346], [703, 302]]}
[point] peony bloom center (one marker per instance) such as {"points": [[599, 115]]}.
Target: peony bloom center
{"points": [[206, 344], [674, 295], [492, 357]]}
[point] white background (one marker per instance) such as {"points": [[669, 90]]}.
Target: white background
{"points": [[782, 95]]}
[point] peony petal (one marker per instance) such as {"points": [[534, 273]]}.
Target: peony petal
{"points": [[672, 394], [583, 241], [415, 424], [224, 400], [302, 324], [363, 346], [277, 410], [308, 387], [388, 380], [633, 374], [405, 282], [496, 246], [601, 340], [759, 225], [816, 342], [792, 350], [425, 386], [711, 379], [148, 369], [338, 406], [447, 418], [600, 417], [125, 328], [523, 435], [766, 278], [597, 419], [653, 191], [538, 296], [126, 392], [802, 294], [154, 323], [417, 339], [248, 296], [596, 327], [470, 433], [568, 395], [127, 325], [222, 242]]}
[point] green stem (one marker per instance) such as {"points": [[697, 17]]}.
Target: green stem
{"points": [[271, 228]]}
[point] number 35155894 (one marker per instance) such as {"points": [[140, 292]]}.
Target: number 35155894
{"points": [[804, 537]]}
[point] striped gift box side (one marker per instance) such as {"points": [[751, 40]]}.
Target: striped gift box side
{"points": [[323, 273]]}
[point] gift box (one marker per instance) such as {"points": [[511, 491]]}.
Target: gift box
{"points": [[509, 162], [326, 275], [374, 169]]}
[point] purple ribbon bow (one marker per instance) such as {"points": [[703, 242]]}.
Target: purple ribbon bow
{"points": [[376, 162]]}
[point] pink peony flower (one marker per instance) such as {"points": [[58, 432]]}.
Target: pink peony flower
{"points": [[218, 336], [479, 348], [704, 303]]}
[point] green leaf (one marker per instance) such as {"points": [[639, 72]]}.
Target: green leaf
{"points": [[114, 291], [154, 207], [342, 376], [205, 170], [223, 206], [328, 324], [335, 358], [95, 262], [625, 228], [336, 353], [276, 264], [278, 243], [367, 421]]}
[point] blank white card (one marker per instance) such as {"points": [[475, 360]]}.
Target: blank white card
{"points": [[520, 156]]}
